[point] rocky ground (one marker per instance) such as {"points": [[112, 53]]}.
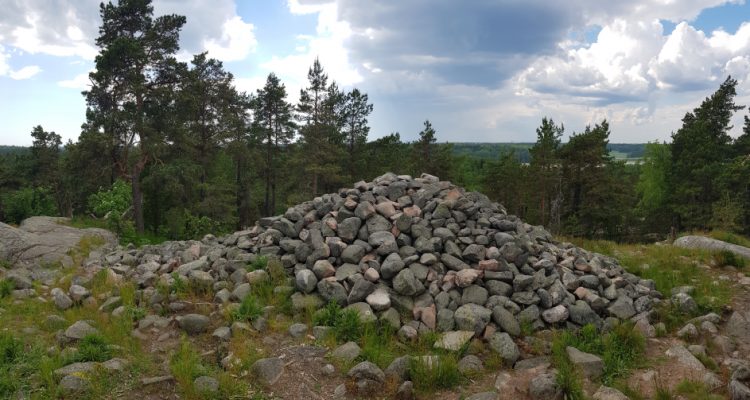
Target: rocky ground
{"points": [[396, 288]]}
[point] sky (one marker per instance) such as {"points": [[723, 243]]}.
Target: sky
{"points": [[479, 70]]}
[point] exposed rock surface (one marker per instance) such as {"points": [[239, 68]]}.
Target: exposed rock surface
{"points": [[43, 240], [706, 243]]}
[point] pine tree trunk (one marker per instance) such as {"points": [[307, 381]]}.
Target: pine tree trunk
{"points": [[137, 200]]}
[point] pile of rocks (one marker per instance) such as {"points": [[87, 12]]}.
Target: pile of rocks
{"points": [[451, 259]]}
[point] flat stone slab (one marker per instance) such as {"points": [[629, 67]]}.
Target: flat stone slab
{"points": [[706, 243], [40, 240]]}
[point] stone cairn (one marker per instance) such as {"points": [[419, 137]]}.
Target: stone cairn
{"points": [[418, 253]]}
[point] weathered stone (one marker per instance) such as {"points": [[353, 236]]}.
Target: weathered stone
{"points": [[591, 365], [454, 340], [472, 317], [268, 370], [193, 323], [504, 346], [305, 280], [348, 351]]}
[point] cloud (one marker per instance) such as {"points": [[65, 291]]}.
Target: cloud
{"points": [[25, 72], [69, 28], [236, 43], [20, 74], [80, 82]]}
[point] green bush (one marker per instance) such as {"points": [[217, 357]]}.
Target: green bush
{"points": [[111, 204], [28, 202]]}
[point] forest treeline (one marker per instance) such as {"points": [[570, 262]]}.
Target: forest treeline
{"points": [[174, 150]]}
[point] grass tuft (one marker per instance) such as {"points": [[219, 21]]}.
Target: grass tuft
{"points": [[6, 288], [250, 309], [692, 390], [91, 348], [429, 377]]}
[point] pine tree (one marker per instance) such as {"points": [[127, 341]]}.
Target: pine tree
{"points": [[699, 150], [356, 109], [134, 71], [545, 167], [318, 111], [274, 130]]}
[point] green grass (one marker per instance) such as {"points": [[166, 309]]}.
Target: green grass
{"points": [[6, 288], [260, 262], [728, 237], [727, 258], [186, 365], [692, 390], [379, 344], [621, 350], [250, 309], [443, 374], [91, 348], [568, 378], [707, 362]]}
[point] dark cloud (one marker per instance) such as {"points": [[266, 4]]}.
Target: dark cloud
{"points": [[478, 42]]}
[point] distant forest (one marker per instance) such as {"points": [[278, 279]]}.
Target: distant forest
{"points": [[492, 151], [172, 150]]}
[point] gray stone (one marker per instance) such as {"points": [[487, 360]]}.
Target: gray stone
{"points": [[361, 289], [544, 387], [79, 330], [348, 351], [591, 365], [474, 294], [582, 314], [445, 320], [689, 331], [454, 340], [323, 269], [78, 368], [472, 317], [608, 393], [622, 308], [348, 229], [392, 265], [268, 370], [222, 333], [379, 300], [353, 254], [72, 385], [702, 242], [470, 364], [406, 283], [367, 370], [504, 346], [506, 321], [684, 357], [206, 384], [684, 303], [483, 396], [193, 324], [297, 330], [305, 280], [399, 368], [474, 253], [555, 314], [330, 290], [62, 301]]}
